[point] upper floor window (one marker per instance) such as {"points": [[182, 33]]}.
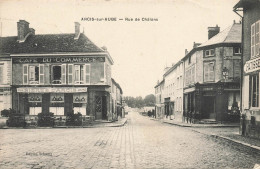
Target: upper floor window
{"points": [[189, 61], [255, 39], [79, 74], [210, 52], [237, 50], [208, 71], [33, 74]]}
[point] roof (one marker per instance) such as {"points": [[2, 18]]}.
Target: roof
{"points": [[232, 34], [172, 68], [48, 43], [160, 83], [242, 3]]}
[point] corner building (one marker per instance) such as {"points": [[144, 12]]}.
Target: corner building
{"points": [[59, 73]]}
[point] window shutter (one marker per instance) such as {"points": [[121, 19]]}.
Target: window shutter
{"points": [[211, 71], [25, 74], [252, 40], [41, 74], [257, 38], [70, 74], [87, 75], [63, 74], [245, 94]]}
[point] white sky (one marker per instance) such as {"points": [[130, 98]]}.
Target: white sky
{"points": [[140, 50]]}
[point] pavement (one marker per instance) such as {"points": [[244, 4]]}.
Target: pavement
{"points": [[226, 131], [97, 123], [140, 143]]}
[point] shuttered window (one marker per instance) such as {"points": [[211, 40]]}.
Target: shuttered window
{"points": [[209, 71], [255, 90], [255, 39], [70, 74], [63, 74], [87, 75], [25, 74], [41, 74]]}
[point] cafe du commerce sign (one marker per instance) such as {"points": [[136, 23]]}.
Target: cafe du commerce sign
{"points": [[59, 60], [252, 65], [51, 90]]}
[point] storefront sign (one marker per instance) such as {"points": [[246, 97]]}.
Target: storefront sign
{"points": [[51, 90], [59, 60], [252, 65]]}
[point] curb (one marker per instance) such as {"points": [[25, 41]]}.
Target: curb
{"points": [[231, 140], [196, 126]]}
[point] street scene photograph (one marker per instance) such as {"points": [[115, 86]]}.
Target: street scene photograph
{"points": [[156, 84]]}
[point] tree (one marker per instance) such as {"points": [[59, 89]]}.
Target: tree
{"points": [[149, 100]]}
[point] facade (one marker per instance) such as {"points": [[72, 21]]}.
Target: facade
{"points": [[212, 77], [116, 100], [5, 82], [159, 100], [173, 95], [250, 121], [58, 73]]}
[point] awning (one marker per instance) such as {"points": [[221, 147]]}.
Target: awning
{"points": [[51, 89]]}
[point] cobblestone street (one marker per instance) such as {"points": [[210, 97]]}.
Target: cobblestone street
{"points": [[141, 143]]}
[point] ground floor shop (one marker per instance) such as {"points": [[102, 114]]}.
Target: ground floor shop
{"points": [[89, 101], [212, 102], [250, 119]]}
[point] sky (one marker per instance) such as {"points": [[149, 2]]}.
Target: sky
{"points": [[140, 49]]}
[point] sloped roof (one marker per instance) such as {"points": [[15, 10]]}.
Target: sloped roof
{"points": [[232, 34], [48, 43]]}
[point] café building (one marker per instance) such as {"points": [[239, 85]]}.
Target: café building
{"points": [[59, 73]]}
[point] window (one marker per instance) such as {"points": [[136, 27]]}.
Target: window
{"points": [[189, 62], [58, 75], [1, 74], [255, 90], [208, 71], [255, 39], [79, 74], [33, 74], [237, 50], [210, 52]]}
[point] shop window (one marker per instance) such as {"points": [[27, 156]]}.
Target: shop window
{"points": [[255, 90], [35, 103], [237, 50], [1, 74], [255, 39], [209, 71], [80, 103], [57, 103], [210, 52]]}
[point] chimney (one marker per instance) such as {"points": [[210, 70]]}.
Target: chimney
{"points": [[196, 44], [23, 30], [186, 52], [212, 31], [77, 30]]}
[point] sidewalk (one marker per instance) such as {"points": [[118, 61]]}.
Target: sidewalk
{"points": [[228, 132], [98, 123]]}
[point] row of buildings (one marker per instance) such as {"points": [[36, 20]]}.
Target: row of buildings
{"points": [[217, 80], [58, 73]]}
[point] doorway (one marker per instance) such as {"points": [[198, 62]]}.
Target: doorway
{"points": [[208, 107]]}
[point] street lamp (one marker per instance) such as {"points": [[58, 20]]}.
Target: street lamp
{"points": [[225, 73]]}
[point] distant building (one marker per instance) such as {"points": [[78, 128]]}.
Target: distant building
{"points": [[58, 73], [117, 100], [212, 76], [159, 99], [173, 91], [250, 123]]}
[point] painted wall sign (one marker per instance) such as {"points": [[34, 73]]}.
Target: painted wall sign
{"points": [[252, 65], [59, 60], [51, 90]]}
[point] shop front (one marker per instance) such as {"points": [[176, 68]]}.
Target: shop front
{"points": [[212, 102]]}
